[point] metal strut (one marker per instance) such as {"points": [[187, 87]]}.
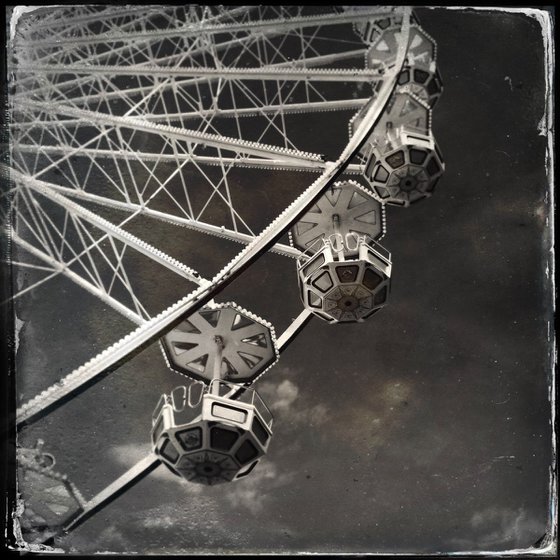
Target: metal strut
{"points": [[131, 477], [204, 138], [195, 29], [111, 358], [263, 73], [307, 63], [144, 467], [197, 225], [114, 231]]}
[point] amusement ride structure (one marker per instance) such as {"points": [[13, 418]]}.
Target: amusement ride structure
{"points": [[149, 111]]}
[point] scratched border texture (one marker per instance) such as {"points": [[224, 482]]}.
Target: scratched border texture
{"points": [[547, 545], [7, 349]]}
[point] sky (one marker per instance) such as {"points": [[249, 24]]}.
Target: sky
{"points": [[424, 429]]}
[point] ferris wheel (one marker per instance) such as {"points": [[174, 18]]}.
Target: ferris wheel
{"points": [[174, 114]]}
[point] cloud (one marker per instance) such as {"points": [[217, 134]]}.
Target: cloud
{"points": [[163, 521], [395, 392], [279, 396], [109, 540], [282, 399], [502, 527], [183, 510], [254, 491], [368, 421], [250, 493], [200, 520], [286, 394]]}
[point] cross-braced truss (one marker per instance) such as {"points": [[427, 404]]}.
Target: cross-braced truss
{"points": [[152, 108], [155, 112]]}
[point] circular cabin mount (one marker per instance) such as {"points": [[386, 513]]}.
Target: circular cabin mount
{"points": [[384, 48], [370, 29], [405, 169], [344, 208], [404, 109], [211, 435], [248, 344]]}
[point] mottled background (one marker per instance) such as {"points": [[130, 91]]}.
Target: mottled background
{"points": [[424, 429]]}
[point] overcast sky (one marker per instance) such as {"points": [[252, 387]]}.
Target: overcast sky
{"points": [[425, 428]]}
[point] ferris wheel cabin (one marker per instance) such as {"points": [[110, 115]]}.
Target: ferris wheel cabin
{"points": [[343, 272], [211, 434]]}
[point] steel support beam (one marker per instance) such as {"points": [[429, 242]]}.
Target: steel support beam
{"points": [[123, 350]]}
